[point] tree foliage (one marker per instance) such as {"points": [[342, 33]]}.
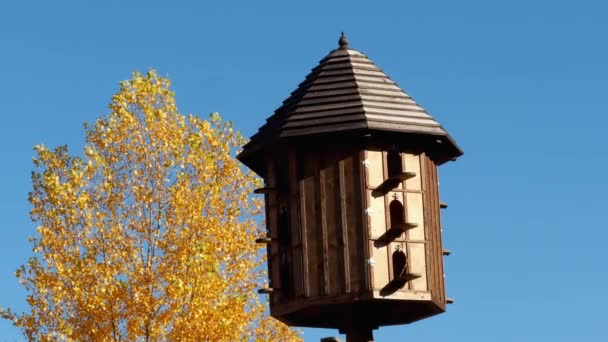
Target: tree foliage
{"points": [[149, 235]]}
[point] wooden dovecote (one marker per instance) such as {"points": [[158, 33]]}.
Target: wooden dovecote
{"points": [[352, 203]]}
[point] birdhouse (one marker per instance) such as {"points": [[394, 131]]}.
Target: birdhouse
{"points": [[349, 163]]}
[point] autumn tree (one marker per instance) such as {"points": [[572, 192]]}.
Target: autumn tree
{"points": [[147, 236]]}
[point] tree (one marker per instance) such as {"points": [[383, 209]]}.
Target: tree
{"points": [[149, 235]]}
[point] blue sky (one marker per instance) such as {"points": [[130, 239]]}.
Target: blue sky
{"points": [[521, 85]]}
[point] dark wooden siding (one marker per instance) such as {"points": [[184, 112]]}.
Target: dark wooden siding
{"points": [[272, 227], [432, 219], [330, 220]]}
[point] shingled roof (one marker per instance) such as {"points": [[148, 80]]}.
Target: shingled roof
{"points": [[345, 92]]}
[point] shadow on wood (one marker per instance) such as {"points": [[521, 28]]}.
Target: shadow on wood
{"points": [[391, 183], [398, 283], [393, 233]]}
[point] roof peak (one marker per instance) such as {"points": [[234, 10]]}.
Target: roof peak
{"points": [[346, 94], [343, 42]]}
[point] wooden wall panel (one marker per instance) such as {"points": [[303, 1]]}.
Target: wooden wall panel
{"points": [[432, 216], [272, 216], [324, 199], [345, 222], [296, 234], [438, 230], [417, 264], [376, 215], [415, 214], [362, 165], [412, 164], [334, 243], [380, 266], [308, 196], [375, 168], [416, 251], [354, 224], [431, 234]]}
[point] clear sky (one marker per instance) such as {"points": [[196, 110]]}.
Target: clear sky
{"points": [[521, 85]]}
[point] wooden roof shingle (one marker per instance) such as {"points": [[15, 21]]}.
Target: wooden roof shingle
{"points": [[346, 91]]}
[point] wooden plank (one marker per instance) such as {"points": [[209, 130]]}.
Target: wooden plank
{"points": [[431, 201], [417, 264], [376, 214], [417, 255], [294, 217], [312, 235], [415, 213], [272, 216], [316, 239], [405, 295], [355, 223], [439, 239], [365, 244], [380, 267], [374, 166], [344, 222], [305, 208], [334, 225], [382, 229], [401, 190], [392, 183], [323, 198], [412, 164], [431, 266]]}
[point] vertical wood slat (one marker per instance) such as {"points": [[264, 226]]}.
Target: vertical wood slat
{"points": [[324, 243], [434, 229], [431, 230], [272, 225], [304, 221], [354, 197], [316, 238], [366, 243], [299, 277], [344, 224], [311, 224], [387, 224], [335, 241], [406, 234], [439, 244], [431, 268]]}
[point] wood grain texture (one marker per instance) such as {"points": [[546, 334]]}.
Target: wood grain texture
{"points": [[294, 216], [356, 223], [324, 199], [344, 222], [271, 222], [366, 229], [432, 217]]}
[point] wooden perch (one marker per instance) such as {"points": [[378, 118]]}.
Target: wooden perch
{"points": [[391, 183], [443, 205], [263, 240], [449, 300], [393, 233], [264, 190], [397, 283], [408, 276], [266, 290], [447, 252]]}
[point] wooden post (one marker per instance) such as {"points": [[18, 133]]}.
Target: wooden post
{"points": [[358, 330], [360, 335]]}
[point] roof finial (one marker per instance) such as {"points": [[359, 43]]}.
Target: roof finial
{"points": [[343, 42]]}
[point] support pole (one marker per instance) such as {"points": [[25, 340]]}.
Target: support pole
{"points": [[360, 335]]}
